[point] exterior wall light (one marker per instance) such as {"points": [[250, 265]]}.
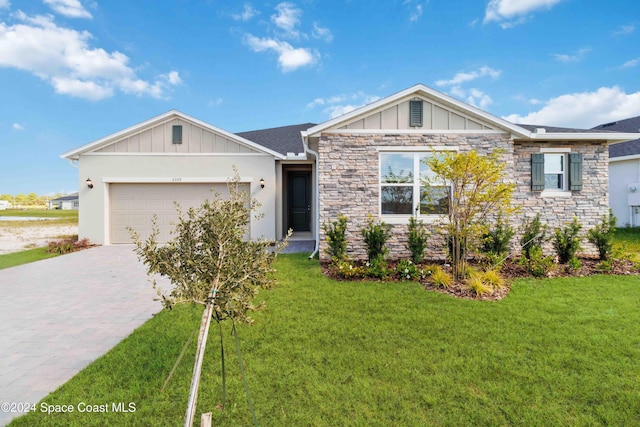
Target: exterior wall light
{"points": [[89, 183], [261, 182]]}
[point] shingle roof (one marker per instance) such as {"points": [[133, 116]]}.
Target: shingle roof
{"points": [[73, 196], [628, 148], [553, 129], [285, 139]]}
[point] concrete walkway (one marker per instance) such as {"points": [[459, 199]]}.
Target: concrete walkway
{"points": [[59, 315]]}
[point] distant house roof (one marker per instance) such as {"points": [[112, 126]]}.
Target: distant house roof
{"points": [[69, 197], [628, 148], [284, 139], [553, 129]]}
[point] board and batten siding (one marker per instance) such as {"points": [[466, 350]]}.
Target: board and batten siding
{"points": [[158, 139], [435, 117]]}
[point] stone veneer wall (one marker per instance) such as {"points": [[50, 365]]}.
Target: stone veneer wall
{"points": [[349, 167], [588, 205], [349, 185]]}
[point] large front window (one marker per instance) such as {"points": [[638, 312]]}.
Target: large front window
{"points": [[402, 191]]}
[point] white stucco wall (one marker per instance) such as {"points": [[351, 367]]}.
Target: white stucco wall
{"points": [[621, 174], [214, 168]]}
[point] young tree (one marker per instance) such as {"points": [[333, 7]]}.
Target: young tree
{"points": [[478, 192], [210, 261]]}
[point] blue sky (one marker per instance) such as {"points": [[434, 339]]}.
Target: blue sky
{"points": [[73, 71]]}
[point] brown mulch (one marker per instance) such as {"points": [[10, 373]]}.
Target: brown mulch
{"points": [[510, 271]]}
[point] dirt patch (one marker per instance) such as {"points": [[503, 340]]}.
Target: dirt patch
{"points": [[16, 239]]}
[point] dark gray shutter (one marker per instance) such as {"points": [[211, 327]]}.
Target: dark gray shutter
{"points": [[177, 134], [537, 172], [415, 113], [575, 171]]}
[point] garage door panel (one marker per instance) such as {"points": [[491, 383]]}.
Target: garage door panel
{"points": [[133, 205]]}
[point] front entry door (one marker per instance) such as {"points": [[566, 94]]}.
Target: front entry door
{"points": [[299, 201]]}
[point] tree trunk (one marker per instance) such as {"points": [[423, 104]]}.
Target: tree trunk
{"points": [[197, 368]]}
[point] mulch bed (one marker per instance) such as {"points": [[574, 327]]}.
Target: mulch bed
{"points": [[510, 271]]}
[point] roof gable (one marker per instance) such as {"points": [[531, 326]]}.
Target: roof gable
{"points": [[155, 136], [441, 112]]}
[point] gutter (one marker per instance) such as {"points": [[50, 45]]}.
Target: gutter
{"points": [[308, 150]]}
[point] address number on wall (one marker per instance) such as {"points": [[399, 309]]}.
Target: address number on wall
{"points": [[176, 179]]}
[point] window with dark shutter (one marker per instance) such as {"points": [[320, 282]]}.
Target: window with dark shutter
{"points": [[415, 113], [177, 134], [575, 171], [537, 172]]}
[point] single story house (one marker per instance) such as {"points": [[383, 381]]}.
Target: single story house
{"points": [[624, 173], [305, 175], [69, 202]]}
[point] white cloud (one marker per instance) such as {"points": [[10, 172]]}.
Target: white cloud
{"points": [[584, 110], [321, 33], [289, 57], [631, 63], [64, 58], [287, 19], [509, 13], [69, 8], [17, 126], [624, 30], [5, 4], [247, 13], [215, 102], [338, 105], [577, 56], [464, 77]]}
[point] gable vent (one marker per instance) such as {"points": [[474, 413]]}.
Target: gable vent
{"points": [[176, 134], [415, 113]]}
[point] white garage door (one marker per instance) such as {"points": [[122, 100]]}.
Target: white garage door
{"points": [[133, 205]]}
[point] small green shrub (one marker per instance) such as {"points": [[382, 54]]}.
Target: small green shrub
{"points": [[574, 263], [66, 246], [604, 266], [375, 234], [566, 241], [378, 267], [533, 236], [537, 264], [496, 240], [441, 278], [603, 235], [417, 243], [335, 232], [407, 270]]}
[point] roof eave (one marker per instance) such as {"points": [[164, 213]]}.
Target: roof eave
{"points": [[586, 136]]}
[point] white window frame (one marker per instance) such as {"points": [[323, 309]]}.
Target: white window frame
{"points": [[558, 192], [415, 185]]}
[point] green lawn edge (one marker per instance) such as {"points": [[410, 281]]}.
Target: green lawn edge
{"points": [[15, 259]]}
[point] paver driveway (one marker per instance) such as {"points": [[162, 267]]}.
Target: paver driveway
{"points": [[59, 315]]}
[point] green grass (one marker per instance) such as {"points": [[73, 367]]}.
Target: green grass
{"points": [[324, 353], [57, 217], [628, 242], [24, 257]]}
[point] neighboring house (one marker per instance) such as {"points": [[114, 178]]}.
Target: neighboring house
{"points": [[624, 173], [4, 205], [305, 175], [69, 202]]}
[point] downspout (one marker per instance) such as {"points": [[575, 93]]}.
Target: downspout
{"points": [[305, 143]]}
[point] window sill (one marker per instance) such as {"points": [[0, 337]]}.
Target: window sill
{"points": [[554, 194], [404, 219]]}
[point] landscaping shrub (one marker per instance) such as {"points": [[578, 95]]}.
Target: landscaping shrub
{"points": [[441, 278], [602, 235], [378, 267], [407, 270], [574, 263], [536, 263], [376, 233], [566, 241], [345, 268], [477, 285], [335, 232], [495, 242], [66, 246], [533, 236], [417, 240], [493, 279]]}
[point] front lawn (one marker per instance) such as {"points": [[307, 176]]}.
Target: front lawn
{"points": [[24, 257], [54, 216], [628, 242], [326, 353]]}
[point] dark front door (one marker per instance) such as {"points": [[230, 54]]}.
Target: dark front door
{"points": [[299, 201]]}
